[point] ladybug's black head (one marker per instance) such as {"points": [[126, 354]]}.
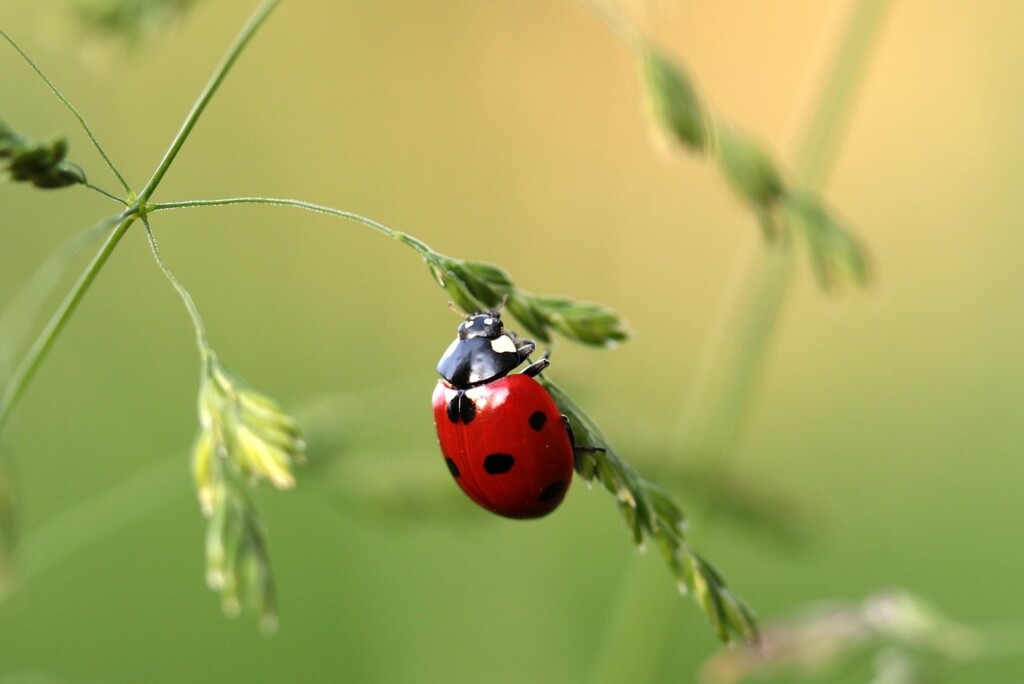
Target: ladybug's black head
{"points": [[482, 352], [486, 325]]}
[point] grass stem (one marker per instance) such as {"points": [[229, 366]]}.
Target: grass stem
{"points": [[233, 53], [190, 305], [413, 243], [717, 404]]}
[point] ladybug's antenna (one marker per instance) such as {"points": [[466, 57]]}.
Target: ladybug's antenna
{"points": [[496, 311], [455, 310]]}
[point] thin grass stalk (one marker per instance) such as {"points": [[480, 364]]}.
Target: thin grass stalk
{"points": [[718, 402], [748, 315]]}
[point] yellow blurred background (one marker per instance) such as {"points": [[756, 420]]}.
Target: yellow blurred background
{"points": [[514, 133]]}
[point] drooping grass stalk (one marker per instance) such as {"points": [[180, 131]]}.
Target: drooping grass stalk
{"points": [[734, 354], [193, 311], [296, 204]]}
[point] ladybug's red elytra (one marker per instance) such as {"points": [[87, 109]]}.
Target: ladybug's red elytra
{"points": [[505, 442]]}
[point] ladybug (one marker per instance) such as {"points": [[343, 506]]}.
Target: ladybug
{"points": [[505, 442]]}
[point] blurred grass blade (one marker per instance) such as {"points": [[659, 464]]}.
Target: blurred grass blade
{"points": [[23, 309]]}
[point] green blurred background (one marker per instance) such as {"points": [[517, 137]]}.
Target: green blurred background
{"points": [[510, 132]]}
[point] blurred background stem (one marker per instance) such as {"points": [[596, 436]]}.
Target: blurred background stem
{"points": [[717, 404]]}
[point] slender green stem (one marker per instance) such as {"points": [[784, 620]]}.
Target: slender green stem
{"points": [[823, 134], [636, 629], [105, 193], [44, 341], [418, 246], [243, 38], [713, 413], [81, 120], [190, 305], [278, 202]]}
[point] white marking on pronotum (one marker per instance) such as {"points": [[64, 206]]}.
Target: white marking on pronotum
{"points": [[503, 345], [488, 321]]}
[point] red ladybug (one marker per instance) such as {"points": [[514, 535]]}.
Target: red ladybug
{"points": [[504, 439]]}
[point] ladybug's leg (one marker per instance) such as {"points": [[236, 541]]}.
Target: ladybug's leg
{"points": [[524, 348], [568, 428], [537, 366], [572, 439]]}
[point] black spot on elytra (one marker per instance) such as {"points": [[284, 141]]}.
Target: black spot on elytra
{"points": [[496, 464], [452, 468], [537, 420], [461, 408], [552, 490]]}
